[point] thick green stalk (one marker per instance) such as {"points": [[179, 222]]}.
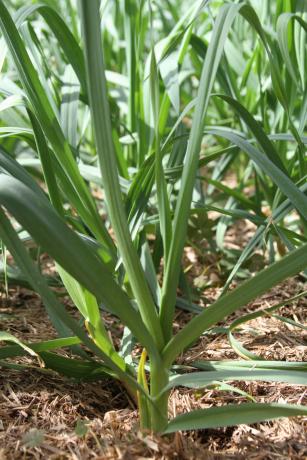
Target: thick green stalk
{"points": [[159, 378], [90, 20]]}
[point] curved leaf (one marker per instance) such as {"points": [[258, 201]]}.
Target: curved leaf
{"points": [[70, 251], [233, 414], [291, 264], [202, 379]]}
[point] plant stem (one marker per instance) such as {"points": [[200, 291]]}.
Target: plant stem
{"points": [[159, 378]]}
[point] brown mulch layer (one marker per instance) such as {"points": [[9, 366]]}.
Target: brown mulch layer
{"points": [[47, 416]]}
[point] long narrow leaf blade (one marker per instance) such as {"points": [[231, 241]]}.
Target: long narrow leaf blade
{"points": [[233, 414]]}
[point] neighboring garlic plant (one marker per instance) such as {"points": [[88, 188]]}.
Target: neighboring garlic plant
{"points": [[119, 274]]}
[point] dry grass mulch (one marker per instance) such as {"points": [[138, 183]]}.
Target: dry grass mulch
{"points": [[47, 416]]}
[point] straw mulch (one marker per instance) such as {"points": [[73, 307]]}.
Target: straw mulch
{"points": [[47, 416]]}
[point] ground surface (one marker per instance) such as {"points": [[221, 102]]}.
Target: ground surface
{"points": [[47, 416]]}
